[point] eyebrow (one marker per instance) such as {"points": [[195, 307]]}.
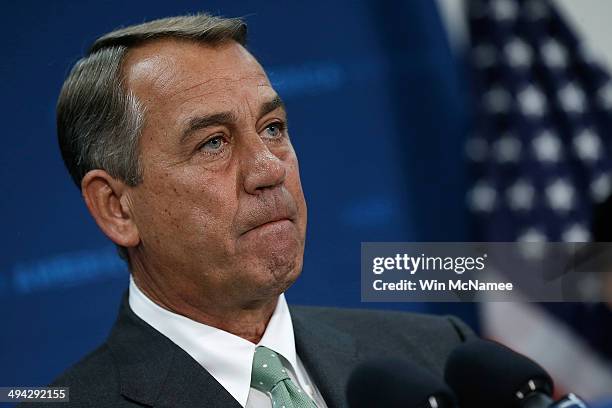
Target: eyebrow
{"points": [[226, 118], [271, 105], [202, 122]]}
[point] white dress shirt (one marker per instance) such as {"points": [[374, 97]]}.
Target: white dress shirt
{"points": [[227, 357]]}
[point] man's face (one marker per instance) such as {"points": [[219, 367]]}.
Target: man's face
{"points": [[220, 212]]}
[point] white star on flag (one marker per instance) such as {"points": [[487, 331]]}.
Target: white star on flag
{"points": [[587, 145], [532, 235], [507, 148], [572, 98], [553, 54], [532, 101], [504, 9], [560, 195], [601, 187], [497, 100], [482, 197], [520, 195], [532, 243], [547, 146], [518, 53], [576, 233]]}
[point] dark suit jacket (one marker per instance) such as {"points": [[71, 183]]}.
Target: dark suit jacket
{"points": [[138, 366]]}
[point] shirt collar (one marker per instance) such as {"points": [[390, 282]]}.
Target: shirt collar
{"points": [[227, 357]]}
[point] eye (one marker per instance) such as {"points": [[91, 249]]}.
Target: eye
{"points": [[213, 144], [274, 130]]}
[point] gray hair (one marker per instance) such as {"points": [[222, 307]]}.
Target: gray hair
{"points": [[99, 121]]}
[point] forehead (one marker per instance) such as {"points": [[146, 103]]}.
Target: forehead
{"points": [[167, 74]]}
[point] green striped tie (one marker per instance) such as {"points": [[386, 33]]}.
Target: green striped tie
{"points": [[269, 376]]}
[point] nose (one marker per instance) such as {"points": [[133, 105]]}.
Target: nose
{"points": [[261, 168]]}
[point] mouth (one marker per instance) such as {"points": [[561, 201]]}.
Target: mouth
{"points": [[272, 223]]}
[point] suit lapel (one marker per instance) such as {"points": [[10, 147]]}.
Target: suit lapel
{"points": [[328, 354], [189, 385], [156, 372]]}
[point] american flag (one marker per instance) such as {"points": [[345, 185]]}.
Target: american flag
{"points": [[540, 153], [540, 156]]}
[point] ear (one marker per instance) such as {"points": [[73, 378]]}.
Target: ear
{"points": [[107, 201]]}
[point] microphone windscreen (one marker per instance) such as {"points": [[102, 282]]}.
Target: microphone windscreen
{"points": [[487, 374], [396, 383]]}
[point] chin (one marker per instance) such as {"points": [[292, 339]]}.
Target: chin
{"points": [[286, 270], [275, 274], [274, 256]]}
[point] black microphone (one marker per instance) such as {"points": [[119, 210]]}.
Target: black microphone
{"points": [[392, 383], [485, 374]]}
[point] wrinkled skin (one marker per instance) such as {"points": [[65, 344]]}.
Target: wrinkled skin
{"points": [[216, 229]]}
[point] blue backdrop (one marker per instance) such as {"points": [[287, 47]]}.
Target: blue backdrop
{"points": [[377, 115]]}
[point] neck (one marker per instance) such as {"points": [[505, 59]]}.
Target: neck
{"points": [[243, 319]]}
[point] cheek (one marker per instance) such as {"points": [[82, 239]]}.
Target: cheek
{"points": [[184, 212]]}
